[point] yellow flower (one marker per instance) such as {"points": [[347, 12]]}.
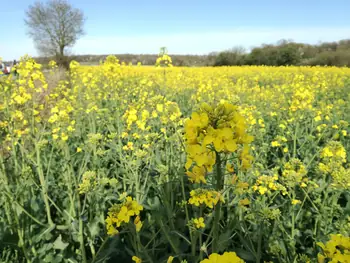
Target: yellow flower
{"points": [[244, 202], [293, 173], [230, 168], [295, 202], [318, 118], [200, 120], [79, 149], [262, 190], [282, 126], [129, 146], [320, 258], [136, 259], [154, 114], [337, 249], [138, 223], [87, 183], [275, 144], [111, 230], [199, 222], [227, 257], [160, 107], [170, 259], [224, 141], [123, 196], [204, 196], [119, 214], [201, 155], [64, 136], [197, 175]]}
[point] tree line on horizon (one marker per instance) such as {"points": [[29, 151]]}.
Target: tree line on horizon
{"points": [[283, 53], [286, 52]]}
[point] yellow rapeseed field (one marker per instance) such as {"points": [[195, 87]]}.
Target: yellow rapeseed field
{"points": [[125, 163]]}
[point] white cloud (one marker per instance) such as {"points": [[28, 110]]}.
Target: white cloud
{"points": [[188, 43]]}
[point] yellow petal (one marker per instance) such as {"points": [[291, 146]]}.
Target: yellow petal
{"points": [[231, 145]]}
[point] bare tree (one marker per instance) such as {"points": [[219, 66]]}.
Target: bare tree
{"points": [[54, 26]]}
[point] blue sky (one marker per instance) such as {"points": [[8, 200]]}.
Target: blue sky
{"points": [[185, 26]]}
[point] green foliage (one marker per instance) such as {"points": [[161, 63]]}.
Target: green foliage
{"points": [[286, 53], [331, 58], [282, 54], [235, 56], [124, 133]]}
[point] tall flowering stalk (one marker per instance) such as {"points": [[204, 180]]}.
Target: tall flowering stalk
{"points": [[214, 135]]}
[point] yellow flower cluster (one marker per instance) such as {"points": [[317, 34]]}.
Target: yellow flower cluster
{"points": [[204, 196], [341, 178], [227, 257], [136, 259], [211, 131], [121, 213], [336, 250], [53, 64], [164, 60], [333, 157], [334, 153], [88, 182], [265, 184], [166, 111], [294, 173], [278, 141], [302, 98], [199, 222], [25, 100], [60, 118]]}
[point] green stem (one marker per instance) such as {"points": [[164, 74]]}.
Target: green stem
{"points": [[293, 227], [25, 211], [176, 250], [143, 248], [187, 215], [219, 185], [309, 198], [258, 254], [100, 249], [295, 141], [43, 186], [200, 246], [81, 235]]}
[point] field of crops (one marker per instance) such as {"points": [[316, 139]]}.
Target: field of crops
{"points": [[121, 163]]}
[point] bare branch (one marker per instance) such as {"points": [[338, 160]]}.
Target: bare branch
{"points": [[54, 26]]}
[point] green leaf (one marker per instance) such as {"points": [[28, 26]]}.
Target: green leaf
{"points": [[45, 234], [19, 210], [34, 205], [224, 239], [183, 237], [247, 256], [94, 227], [48, 258], [59, 244]]}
